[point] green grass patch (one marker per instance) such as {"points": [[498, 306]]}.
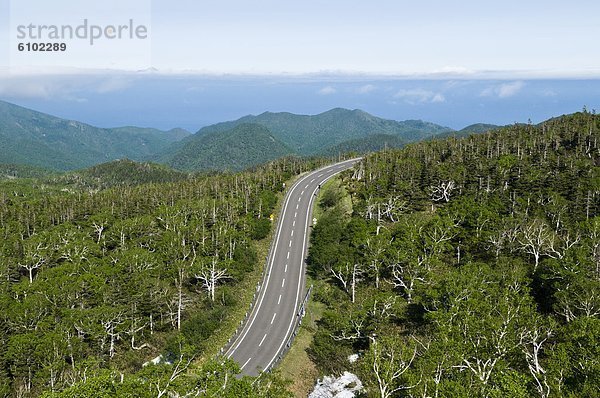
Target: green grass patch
{"points": [[332, 193]]}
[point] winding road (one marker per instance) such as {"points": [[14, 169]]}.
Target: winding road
{"points": [[273, 319]]}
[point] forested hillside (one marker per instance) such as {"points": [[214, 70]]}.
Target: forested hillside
{"points": [[12, 171], [466, 267], [119, 173], [310, 134], [373, 143], [228, 146], [33, 138], [93, 283], [243, 146]]}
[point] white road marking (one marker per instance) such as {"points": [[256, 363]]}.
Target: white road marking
{"points": [[288, 255], [238, 341], [283, 282], [263, 339], [300, 198], [306, 187], [294, 224], [313, 180], [279, 300], [292, 232], [290, 243], [297, 206], [245, 363], [293, 316], [285, 270], [302, 193]]}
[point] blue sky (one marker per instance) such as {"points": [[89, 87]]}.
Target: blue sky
{"points": [[452, 63], [390, 36]]}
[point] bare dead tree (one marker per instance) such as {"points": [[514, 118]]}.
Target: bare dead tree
{"points": [[135, 328], [537, 239], [532, 341], [34, 261], [179, 368], [388, 366], [210, 276], [498, 242], [348, 276], [405, 277], [443, 191], [393, 207], [375, 247], [354, 332], [110, 325], [99, 229]]}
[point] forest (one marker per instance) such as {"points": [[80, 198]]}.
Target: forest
{"points": [[466, 267], [462, 267], [97, 278]]}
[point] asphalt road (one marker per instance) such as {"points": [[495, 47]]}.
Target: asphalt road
{"points": [[275, 314]]}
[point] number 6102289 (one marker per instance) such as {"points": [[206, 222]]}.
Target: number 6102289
{"points": [[42, 47]]}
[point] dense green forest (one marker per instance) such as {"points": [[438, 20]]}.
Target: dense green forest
{"points": [[95, 282], [119, 173], [372, 143], [463, 267], [243, 146], [466, 267], [12, 171], [33, 138], [327, 133]]}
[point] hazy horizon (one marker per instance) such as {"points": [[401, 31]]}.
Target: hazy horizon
{"points": [[191, 102], [450, 63]]}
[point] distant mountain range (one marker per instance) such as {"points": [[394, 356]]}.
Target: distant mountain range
{"points": [[308, 135], [331, 132], [36, 139]]}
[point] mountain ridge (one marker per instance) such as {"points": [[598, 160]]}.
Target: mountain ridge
{"points": [[243, 146], [313, 135], [309, 134], [39, 139], [29, 137]]}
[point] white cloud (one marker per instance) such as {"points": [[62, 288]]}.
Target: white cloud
{"points": [[453, 70], [41, 87], [366, 89], [438, 98], [24, 89], [509, 89], [504, 90], [419, 95], [327, 90], [64, 87], [113, 84]]}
